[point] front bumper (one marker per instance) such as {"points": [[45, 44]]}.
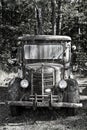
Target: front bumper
{"points": [[45, 104], [44, 101]]}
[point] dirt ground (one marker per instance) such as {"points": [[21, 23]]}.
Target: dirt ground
{"points": [[42, 118]]}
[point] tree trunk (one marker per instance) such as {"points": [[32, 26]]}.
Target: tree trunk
{"points": [[53, 17], [38, 18], [36, 28], [2, 7], [39, 21], [59, 17]]}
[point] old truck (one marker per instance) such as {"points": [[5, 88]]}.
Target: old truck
{"points": [[44, 74]]}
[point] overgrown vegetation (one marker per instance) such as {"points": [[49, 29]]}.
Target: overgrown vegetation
{"points": [[64, 17]]}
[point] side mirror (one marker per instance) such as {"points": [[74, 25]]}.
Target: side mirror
{"points": [[74, 47]]}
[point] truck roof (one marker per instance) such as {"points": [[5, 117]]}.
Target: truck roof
{"points": [[27, 37]]}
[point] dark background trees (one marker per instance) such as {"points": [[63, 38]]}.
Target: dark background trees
{"points": [[56, 17]]}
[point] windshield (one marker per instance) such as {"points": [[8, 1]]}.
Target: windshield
{"points": [[43, 51]]}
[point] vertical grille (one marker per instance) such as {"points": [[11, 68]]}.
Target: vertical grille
{"points": [[37, 83], [48, 81]]}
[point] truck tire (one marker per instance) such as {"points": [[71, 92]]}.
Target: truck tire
{"points": [[14, 110], [72, 95], [14, 95]]}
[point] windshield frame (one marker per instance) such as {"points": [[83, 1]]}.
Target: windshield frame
{"points": [[37, 42]]}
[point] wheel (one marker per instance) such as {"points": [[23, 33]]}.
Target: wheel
{"points": [[14, 110], [72, 95], [14, 95]]}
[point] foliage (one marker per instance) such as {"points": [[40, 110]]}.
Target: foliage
{"points": [[18, 17]]}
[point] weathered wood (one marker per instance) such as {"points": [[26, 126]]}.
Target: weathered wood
{"points": [[20, 103], [83, 97], [81, 89], [2, 103], [65, 104]]}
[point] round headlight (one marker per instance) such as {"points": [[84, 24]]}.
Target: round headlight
{"points": [[24, 83], [62, 84]]}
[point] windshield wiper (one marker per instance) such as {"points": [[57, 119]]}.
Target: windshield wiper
{"points": [[57, 56]]}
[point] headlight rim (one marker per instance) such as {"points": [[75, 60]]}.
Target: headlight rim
{"points": [[61, 81], [24, 83]]}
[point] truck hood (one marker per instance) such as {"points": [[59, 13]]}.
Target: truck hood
{"points": [[36, 66]]}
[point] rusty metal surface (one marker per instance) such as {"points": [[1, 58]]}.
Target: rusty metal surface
{"points": [[45, 104]]}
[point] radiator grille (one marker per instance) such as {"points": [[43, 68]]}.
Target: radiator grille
{"points": [[39, 84], [48, 80]]}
